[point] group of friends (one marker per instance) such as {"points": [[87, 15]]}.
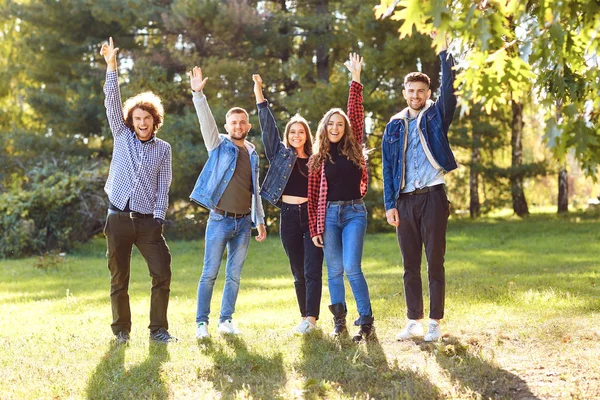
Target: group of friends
{"points": [[318, 185]]}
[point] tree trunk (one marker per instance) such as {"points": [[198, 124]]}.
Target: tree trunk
{"points": [[323, 32], [433, 71], [475, 206], [516, 176], [563, 190]]}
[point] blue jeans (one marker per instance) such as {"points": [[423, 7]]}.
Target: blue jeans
{"points": [[345, 229], [223, 231]]}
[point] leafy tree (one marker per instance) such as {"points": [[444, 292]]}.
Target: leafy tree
{"points": [[52, 104], [515, 50]]}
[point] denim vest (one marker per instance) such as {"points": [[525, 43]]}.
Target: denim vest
{"points": [[281, 158], [217, 173], [433, 122]]}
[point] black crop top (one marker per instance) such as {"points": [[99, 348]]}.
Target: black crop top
{"points": [[343, 176], [297, 185]]}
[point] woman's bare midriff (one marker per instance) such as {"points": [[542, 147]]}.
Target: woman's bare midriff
{"points": [[293, 199]]}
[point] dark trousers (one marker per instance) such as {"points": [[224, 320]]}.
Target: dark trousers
{"points": [[306, 260], [423, 221], [122, 232]]}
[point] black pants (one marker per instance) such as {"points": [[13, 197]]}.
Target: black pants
{"points": [[306, 260], [122, 232], [423, 221]]}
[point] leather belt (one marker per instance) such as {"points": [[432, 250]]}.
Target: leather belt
{"points": [[132, 214], [345, 202], [230, 214], [424, 190]]}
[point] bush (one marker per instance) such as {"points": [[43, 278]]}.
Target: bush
{"points": [[52, 207]]}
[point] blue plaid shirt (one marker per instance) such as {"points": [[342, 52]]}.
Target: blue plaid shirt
{"points": [[139, 172]]}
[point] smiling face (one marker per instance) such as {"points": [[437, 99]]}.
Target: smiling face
{"points": [[336, 126], [416, 94], [143, 124], [237, 126], [297, 136]]}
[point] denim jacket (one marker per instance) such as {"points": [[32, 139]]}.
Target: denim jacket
{"points": [[433, 122], [220, 166], [281, 158]]}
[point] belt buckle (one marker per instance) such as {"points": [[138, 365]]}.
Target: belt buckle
{"points": [[132, 215]]}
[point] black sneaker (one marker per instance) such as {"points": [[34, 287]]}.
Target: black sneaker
{"points": [[162, 336], [121, 337]]}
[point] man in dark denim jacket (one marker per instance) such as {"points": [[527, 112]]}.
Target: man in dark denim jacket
{"points": [[416, 156]]}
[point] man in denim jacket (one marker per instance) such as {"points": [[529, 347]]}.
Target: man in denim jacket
{"points": [[228, 187], [416, 156]]}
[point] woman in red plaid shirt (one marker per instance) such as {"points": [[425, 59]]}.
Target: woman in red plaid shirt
{"points": [[337, 215]]}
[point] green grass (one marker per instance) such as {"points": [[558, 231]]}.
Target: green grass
{"points": [[522, 312]]}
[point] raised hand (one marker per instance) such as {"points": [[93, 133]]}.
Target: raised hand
{"points": [[109, 52], [196, 81], [257, 80], [354, 65], [434, 35], [258, 88]]}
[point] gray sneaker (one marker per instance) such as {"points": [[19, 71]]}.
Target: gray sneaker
{"points": [[121, 337], [162, 336]]}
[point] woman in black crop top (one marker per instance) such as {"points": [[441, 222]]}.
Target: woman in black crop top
{"points": [[286, 186]]}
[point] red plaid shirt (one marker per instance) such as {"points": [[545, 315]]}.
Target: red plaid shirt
{"points": [[317, 183]]}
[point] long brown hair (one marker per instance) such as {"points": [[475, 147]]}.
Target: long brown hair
{"points": [[298, 119], [348, 144]]}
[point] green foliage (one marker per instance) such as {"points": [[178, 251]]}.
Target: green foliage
{"points": [[52, 83], [513, 50], [54, 200]]}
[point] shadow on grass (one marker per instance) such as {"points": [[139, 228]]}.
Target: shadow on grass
{"points": [[333, 367], [238, 372], [110, 379], [470, 370]]}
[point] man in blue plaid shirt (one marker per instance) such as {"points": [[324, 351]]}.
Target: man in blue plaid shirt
{"points": [[138, 190]]}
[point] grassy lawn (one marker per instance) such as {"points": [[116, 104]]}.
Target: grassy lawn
{"points": [[522, 314]]}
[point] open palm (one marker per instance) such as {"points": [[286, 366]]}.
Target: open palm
{"points": [[196, 81], [354, 63]]}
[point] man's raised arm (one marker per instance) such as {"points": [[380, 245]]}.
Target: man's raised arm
{"points": [[208, 126], [112, 102]]}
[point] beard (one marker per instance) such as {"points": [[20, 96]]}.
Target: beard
{"points": [[239, 135]]}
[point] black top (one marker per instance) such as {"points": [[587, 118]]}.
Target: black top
{"points": [[343, 176], [297, 185]]}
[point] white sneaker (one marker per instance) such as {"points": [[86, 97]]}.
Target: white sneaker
{"points": [[227, 328], [202, 330], [304, 327], [434, 332], [412, 329]]}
